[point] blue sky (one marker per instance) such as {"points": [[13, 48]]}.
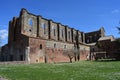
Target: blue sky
{"points": [[84, 15]]}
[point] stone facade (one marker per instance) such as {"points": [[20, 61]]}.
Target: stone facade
{"points": [[34, 39]]}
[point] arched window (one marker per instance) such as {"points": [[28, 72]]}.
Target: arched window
{"points": [[30, 22]]}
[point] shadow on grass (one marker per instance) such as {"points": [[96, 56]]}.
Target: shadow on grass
{"points": [[106, 60], [62, 62]]}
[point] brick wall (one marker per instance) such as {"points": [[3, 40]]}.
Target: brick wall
{"points": [[37, 50], [84, 51]]}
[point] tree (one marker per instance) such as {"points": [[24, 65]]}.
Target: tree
{"points": [[117, 41], [0, 41], [71, 53], [0, 45], [106, 46], [118, 29]]}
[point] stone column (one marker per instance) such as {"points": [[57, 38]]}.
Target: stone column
{"points": [[27, 52]]}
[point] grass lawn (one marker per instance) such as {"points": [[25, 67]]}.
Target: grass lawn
{"points": [[83, 70]]}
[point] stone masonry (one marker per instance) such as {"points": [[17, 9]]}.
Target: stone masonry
{"points": [[35, 39]]}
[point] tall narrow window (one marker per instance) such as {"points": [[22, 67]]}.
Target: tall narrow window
{"points": [[64, 46], [62, 33], [53, 30], [30, 22], [40, 46]]}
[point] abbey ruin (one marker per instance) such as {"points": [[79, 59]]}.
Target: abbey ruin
{"points": [[35, 39]]}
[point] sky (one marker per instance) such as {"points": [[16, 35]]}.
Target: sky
{"points": [[83, 15]]}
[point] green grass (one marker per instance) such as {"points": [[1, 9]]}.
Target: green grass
{"points": [[83, 70]]}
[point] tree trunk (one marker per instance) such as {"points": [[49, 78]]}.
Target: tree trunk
{"points": [[70, 60], [75, 58]]}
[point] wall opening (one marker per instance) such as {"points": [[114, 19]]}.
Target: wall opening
{"points": [[64, 46], [40, 46], [21, 58], [36, 60], [44, 27], [54, 33], [55, 45], [11, 57], [30, 22], [62, 34], [69, 35]]}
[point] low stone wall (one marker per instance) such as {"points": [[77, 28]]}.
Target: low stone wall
{"points": [[14, 62]]}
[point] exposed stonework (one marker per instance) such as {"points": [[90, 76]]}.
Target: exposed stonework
{"points": [[33, 38]]}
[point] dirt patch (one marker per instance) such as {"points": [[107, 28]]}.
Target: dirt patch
{"points": [[1, 78]]}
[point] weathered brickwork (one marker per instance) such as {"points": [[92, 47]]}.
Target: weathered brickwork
{"points": [[35, 39], [84, 51]]}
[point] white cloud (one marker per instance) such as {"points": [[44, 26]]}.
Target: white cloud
{"points": [[3, 34], [115, 11]]}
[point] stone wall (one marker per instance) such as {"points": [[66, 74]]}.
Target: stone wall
{"points": [[84, 51], [53, 30], [37, 50], [28, 24], [59, 45], [54, 51], [35, 39], [61, 33], [69, 34], [37, 26], [93, 36], [13, 62], [79, 37], [43, 28]]}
